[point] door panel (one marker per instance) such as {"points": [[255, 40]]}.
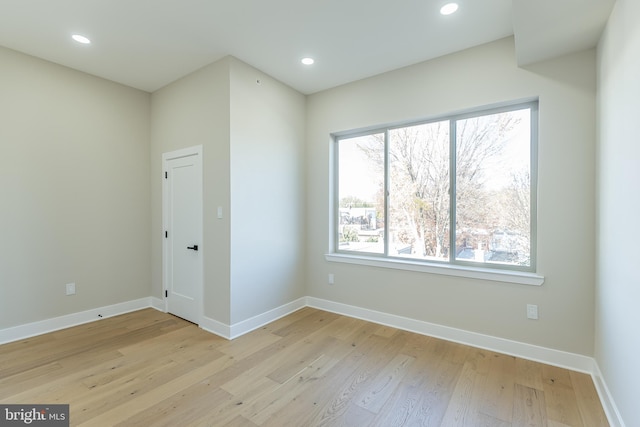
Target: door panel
{"points": [[183, 241]]}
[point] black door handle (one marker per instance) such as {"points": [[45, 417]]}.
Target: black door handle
{"points": [[194, 247]]}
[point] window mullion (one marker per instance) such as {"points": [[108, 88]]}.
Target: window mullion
{"points": [[452, 190], [386, 192], [336, 196], [533, 180]]}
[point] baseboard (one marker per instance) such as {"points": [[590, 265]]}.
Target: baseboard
{"points": [[260, 320], [218, 328], [558, 358], [238, 329], [21, 332], [158, 304], [608, 404]]}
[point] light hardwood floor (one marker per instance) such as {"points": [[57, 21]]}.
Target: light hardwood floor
{"points": [[311, 368]]}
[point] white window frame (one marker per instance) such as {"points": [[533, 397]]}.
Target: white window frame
{"points": [[495, 272]]}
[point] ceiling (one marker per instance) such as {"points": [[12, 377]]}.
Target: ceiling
{"points": [[147, 44]]}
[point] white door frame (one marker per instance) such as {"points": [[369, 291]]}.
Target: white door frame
{"points": [[166, 157]]}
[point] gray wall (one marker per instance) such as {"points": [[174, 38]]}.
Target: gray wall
{"points": [[267, 193], [252, 137], [618, 278], [74, 185], [195, 111], [479, 76]]}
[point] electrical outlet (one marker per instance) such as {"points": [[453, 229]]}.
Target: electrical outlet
{"points": [[331, 281], [71, 288], [532, 311]]}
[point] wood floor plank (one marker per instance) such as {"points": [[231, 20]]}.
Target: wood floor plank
{"points": [[424, 395], [560, 398], [271, 403], [529, 374], [464, 405], [359, 380], [71, 346], [308, 324], [386, 331], [401, 409], [246, 345], [499, 387], [355, 416], [28, 379], [343, 327], [310, 368], [144, 401], [288, 319], [251, 379], [384, 384], [587, 398], [529, 407], [181, 408], [302, 352], [307, 405], [484, 420], [238, 421]]}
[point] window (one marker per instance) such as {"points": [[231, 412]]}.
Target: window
{"points": [[457, 190]]}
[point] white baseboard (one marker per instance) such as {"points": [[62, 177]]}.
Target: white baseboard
{"points": [[238, 329], [260, 320], [21, 332], [158, 304], [608, 404], [218, 328], [558, 358]]}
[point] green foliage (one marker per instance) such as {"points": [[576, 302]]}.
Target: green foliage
{"points": [[354, 202], [350, 234]]}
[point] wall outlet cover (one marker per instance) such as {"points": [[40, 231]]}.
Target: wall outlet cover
{"points": [[71, 288]]}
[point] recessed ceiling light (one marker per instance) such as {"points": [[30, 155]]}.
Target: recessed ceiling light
{"points": [[80, 39], [449, 8], [307, 61]]}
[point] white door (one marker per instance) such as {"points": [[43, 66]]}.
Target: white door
{"points": [[182, 249]]}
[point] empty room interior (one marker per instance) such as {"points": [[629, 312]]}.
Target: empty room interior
{"points": [[201, 228]]}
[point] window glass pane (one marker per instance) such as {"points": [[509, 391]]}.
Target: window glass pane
{"points": [[360, 194], [419, 191], [493, 188]]}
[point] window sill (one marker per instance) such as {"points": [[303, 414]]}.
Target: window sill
{"points": [[517, 277]]}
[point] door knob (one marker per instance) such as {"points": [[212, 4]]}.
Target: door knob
{"points": [[194, 247]]}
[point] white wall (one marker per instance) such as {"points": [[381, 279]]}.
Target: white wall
{"points": [[267, 193], [618, 279], [479, 76], [195, 111], [74, 190]]}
